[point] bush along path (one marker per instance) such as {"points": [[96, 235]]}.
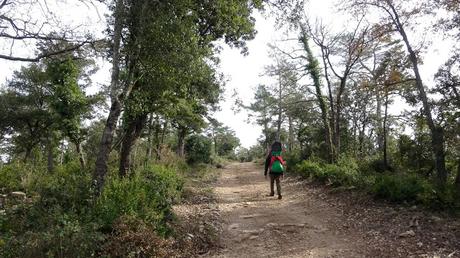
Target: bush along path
{"points": [[318, 221]]}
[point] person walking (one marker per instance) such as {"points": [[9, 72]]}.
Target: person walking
{"points": [[274, 165]]}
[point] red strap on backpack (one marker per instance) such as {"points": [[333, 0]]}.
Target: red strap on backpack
{"points": [[279, 158]]}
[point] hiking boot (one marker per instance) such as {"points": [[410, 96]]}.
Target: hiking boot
{"points": [[280, 197], [271, 195]]}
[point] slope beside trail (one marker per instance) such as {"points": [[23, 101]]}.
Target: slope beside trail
{"points": [[307, 222]]}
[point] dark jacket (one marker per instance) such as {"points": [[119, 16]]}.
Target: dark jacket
{"points": [[267, 163]]}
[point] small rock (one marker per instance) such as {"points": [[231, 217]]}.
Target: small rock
{"points": [[251, 232], [272, 224], [419, 244], [253, 237], [409, 233], [233, 226], [435, 218], [250, 216], [19, 195]]}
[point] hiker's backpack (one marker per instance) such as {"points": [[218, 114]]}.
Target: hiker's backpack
{"points": [[276, 162]]}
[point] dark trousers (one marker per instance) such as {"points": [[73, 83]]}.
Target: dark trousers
{"points": [[274, 178]]}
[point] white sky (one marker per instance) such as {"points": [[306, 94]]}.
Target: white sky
{"points": [[242, 72]]}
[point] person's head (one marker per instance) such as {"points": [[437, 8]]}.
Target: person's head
{"points": [[276, 147]]}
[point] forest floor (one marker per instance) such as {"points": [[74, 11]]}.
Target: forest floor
{"points": [[316, 221]]}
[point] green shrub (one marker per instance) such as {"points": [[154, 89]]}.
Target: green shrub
{"points": [[18, 176], [198, 149], [60, 218], [308, 169], [66, 236], [399, 188], [148, 194], [292, 158], [10, 178]]}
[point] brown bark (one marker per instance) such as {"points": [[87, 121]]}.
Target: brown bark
{"points": [[280, 110], [181, 133], [457, 178], [132, 133], [115, 109], [291, 134], [81, 156], [385, 134], [27, 154], [162, 139], [50, 156], [148, 152]]}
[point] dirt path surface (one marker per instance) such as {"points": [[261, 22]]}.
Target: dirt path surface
{"points": [[256, 225], [311, 222]]}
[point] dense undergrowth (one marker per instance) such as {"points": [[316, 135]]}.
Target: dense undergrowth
{"points": [[395, 186], [58, 216]]}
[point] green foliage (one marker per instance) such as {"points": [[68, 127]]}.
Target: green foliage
{"points": [[61, 219], [10, 177], [390, 186], [245, 155], [198, 149], [68, 236], [308, 168], [292, 158], [54, 220], [399, 188], [148, 195]]}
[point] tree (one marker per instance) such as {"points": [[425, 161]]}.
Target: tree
{"points": [[143, 22], [17, 31], [396, 15], [46, 98], [262, 109], [312, 67], [448, 87], [347, 47], [224, 139]]}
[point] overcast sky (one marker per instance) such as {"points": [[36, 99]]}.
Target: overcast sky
{"points": [[243, 73]]}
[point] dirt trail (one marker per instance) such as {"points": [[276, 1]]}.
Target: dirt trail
{"points": [[299, 225]]}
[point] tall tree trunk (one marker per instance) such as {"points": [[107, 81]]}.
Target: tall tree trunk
{"points": [[81, 156], [313, 69], [291, 134], [338, 108], [50, 155], [149, 151], [385, 134], [181, 133], [162, 139], [437, 133], [280, 111], [379, 121], [27, 154], [132, 133], [361, 138], [457, 178], [267, 144], [115, 109]]}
